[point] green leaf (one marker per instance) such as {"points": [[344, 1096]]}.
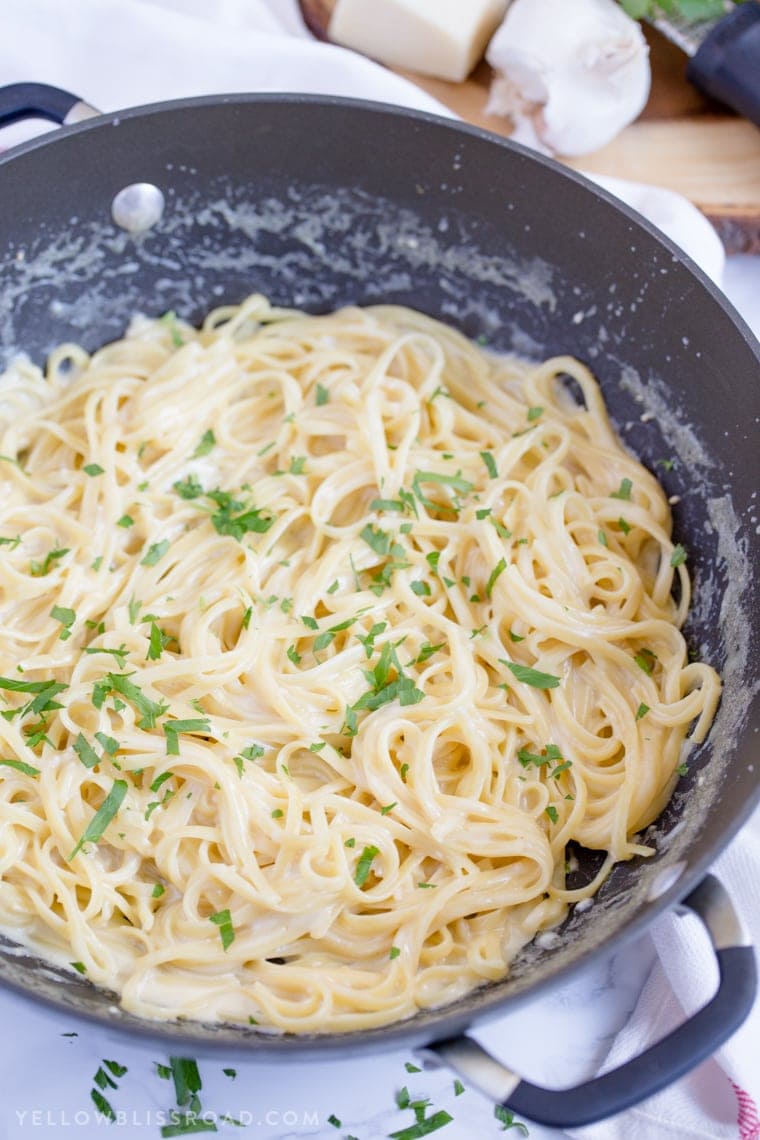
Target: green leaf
{"points": [[498, 569], [386, 505], [323, 396], [205, 445], [423, 1127], [66, 617], [103, 816], [155, 552], [507, 1120], [223, 920], [678, 557], [119, 682], [186, 1077], [531, 676], [645, 659], [85, 752], [41, 569], [637, 9], [235, 519], [534, 413], [364, 865], [157, 643], [623, 491], [102, 1105], [93, 469], [189, 488], [377, 538], [490, 463], [526, 757], [173, 728], [126, 521], [20, 766]]}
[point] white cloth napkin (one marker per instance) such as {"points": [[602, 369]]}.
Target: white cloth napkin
{"points": [[118, 53]]}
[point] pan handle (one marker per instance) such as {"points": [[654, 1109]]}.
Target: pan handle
{"points": [[655, 1068], [40, 101]]}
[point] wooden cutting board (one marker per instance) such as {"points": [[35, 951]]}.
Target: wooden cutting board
{"points": [[682, 140]]}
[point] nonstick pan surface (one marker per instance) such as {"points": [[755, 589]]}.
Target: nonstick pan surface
{"points": [[323, 202]]}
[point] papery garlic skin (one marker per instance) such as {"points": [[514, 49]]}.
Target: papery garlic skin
{"points": [[570, 73]]}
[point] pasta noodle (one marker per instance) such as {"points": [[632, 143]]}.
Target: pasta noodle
{"points": [[321, 637]]}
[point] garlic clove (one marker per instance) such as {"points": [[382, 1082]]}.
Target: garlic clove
{"points": [[570, 84]]}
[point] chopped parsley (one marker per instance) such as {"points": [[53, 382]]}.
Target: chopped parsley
{"points": [[526, 757], [363, 867], [85, 752], [125, 521], [322, 396], [235, 518], [20, 766], [148, 709], [394, 952], [206, 443], [223, 920], [170, 320], [507, 1120], [93, 469], [678, 557], [173, 728], [623, 491], [531, 676], [624, 526], [645, 659], [41, 569], [457, 483], [641, 711], [155, 552], [551, 811], [498, 569], [119, 655], [189, 488], [157, 643], [534, 413], [102, 817], [158, 890], [66, 617], [490, 463]]}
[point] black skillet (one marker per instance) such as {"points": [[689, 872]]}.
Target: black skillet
{"points": [[324, 202]]}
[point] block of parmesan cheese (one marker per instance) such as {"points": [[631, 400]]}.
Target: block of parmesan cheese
{"points": [[445, 38]]}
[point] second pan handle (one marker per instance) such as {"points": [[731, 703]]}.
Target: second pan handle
{"points": [[40, 101], [655, 1068]]}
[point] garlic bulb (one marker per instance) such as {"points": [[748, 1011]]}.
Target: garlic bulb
{"points": [[570, 73]]}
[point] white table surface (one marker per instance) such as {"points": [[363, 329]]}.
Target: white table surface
{"points": [[46, 1078]]}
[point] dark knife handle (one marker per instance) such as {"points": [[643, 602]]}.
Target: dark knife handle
{"points": [[727, 65]]}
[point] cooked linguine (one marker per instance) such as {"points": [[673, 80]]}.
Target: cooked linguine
{"points": [[320, 639]]}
